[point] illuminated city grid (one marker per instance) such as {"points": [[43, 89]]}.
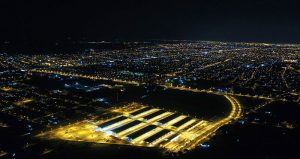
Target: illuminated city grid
{"points": [[140, 125], [256, 71], [269, 71]]}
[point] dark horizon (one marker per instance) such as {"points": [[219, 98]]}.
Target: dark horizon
{"points": [[214, 20]]}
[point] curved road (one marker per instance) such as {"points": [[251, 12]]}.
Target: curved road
{"points": [[204, 134]]}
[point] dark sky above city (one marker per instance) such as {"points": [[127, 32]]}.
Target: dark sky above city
{"points": [[226, 20]]}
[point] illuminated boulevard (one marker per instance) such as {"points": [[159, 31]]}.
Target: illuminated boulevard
{"points": [[140, 83]]}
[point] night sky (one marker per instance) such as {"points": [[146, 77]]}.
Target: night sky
{"points": [[225, 20]]}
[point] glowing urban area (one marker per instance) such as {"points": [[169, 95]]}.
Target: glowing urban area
{"points": [[164, 99]]}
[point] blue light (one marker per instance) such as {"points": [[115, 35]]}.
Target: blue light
{"points": [[220, 90], [98, 129], [109, 132], [205, 145], [128, 138], [101, 100], [242, 122], [12, 83], [268, 112], [181, 81]]}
